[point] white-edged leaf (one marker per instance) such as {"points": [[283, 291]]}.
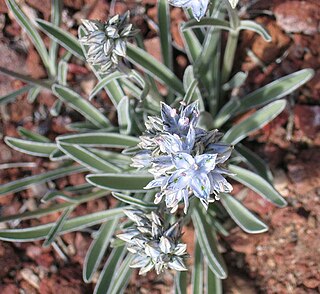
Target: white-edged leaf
{"points": [[124, 117], [74, 224], [99, 139], [120, 182], [134, 201], [207, 22], [254, 122], [245, 219], [214, 284], [208, 243], [180, 283], [75, 101], [257, 184], [8, 98], [32, 135], [31, 147], [197, 271], [26, 182], [257, 28], [88, 159], [98, 248]]}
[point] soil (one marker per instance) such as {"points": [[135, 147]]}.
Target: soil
{"points": [[285, 259]]}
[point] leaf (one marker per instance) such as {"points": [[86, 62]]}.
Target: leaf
{"points": [[242, 216], [56, 108], [109, 270], [74, 224], [120, 182], [55, 230], [124, 117], [31, 147], [81, 105], [164, 33], [22, 184], [254, 122], [255, 162], [153, 67], [42, 83], [214, 284], [197, 272], [134, 201], [180, 283], [273, 91], [53, 208], [26, 24], [82, 126], [99, 139], [257, 184], [87, 158], [32, 135], [191, 90], [121, 278], [192, 45], [208, 243], [33, 94], [236, 81], [257, 28], [8, 98], [233, 4], [62, 37], [104, 82], [207, 22], [98, 248]]}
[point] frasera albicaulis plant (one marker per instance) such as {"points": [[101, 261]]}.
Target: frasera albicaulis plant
{"points": [[170, 159]]}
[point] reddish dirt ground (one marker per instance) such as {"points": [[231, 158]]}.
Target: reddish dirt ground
{"points": [[285, 259]]}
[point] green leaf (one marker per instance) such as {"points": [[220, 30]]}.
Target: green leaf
{"points": [[124, 116], [26, 182], [105, 81], [254, 26], [120, 182], [109, 270], [99, 139], [197, 272], [33, 94], [55, 230], [275, 90], [242, 216], [62, 37], [153, 67], [98, 248], [254, 162], [121, 279], [257, 184], [74, 224], [31, 147], [180, 284], [53, 208], [87, 158], [134, 201], [8, 98], [207, 22], [236, 81], [254, 122], [32, 135], [192, 45], [26, 24], [214, 284], [208, 242], [164, 33], [41, 83], [75, 101], [82, 126]]}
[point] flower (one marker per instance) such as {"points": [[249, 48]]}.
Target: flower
{"points": [[107, 41], [185, 160], [154, 245], [198, 7]]}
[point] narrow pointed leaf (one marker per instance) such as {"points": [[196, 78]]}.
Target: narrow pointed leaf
{"points": [[32, 135], [257, 28], [26, 182], [214, 284], [31, 147], [75, 101], [197, 272], [254, 122], [208, 243], [257, 184], [98, 248], [120, 182], [207, 22], [134, 201], [124, 116], [180, 283], [245, 219], [8, 98]]}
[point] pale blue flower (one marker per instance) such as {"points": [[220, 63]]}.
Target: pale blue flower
{"points": [[198, 7]]}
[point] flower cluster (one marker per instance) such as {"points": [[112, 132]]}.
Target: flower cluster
{"points": [[184, 159], [153, 244], [107, 41]]}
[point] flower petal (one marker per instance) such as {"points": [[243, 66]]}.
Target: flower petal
{"points": [[206, 162], [200, 186], [182, 160]]}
